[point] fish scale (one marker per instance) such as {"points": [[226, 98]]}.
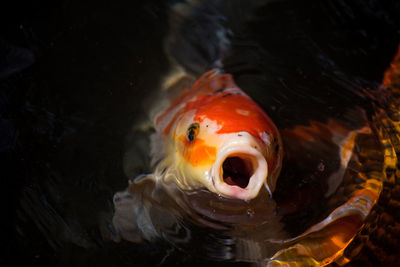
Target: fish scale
{"points": [[382, 226], [373, 168]]}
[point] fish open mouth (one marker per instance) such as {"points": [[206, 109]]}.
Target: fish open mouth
{"points": [[237, 171]]}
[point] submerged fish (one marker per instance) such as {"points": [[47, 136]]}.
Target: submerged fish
{"points": [[217, 137], [356, 229], [212, 136]]}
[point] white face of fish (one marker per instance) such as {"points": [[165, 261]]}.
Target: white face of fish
{"points": [[231, 165]]}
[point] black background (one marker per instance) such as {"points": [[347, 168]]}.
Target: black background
{"points": [[64, 117]]}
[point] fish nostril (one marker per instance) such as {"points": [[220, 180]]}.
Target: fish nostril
{"points": [[237, 170]]}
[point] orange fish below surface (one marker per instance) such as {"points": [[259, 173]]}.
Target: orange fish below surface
{"points": [[216, 137]]}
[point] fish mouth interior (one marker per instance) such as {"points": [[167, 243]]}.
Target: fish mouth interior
{"points": [[237, 170]]}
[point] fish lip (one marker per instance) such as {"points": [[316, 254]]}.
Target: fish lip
{"points": [[256, 181]]}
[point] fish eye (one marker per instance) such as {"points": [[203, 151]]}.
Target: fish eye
{"points": [[193, 131]]}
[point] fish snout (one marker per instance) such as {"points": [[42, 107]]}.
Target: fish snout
{"points": [[239, 172]]}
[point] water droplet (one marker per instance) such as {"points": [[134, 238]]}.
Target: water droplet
{"points": [[250, 213], [321, 166]]}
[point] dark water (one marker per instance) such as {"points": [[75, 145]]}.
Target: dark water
{"points": [[75, 80]]}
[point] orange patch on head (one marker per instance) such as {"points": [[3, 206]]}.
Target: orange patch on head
{"points": [[233, 113], [196, 152]]}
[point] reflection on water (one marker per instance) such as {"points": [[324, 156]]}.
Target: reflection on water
{"points": [[316, 68]]}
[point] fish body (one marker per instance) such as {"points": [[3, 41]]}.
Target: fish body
{"points": [[353, 232], [216, 137]]}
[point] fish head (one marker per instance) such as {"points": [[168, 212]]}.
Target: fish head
{"points": [[225, 142]]}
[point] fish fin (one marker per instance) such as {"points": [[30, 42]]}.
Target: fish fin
{"points": [[131, 219], [143, 211], [346, 147]]}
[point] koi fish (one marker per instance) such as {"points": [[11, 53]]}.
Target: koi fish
{"points": [[216, 137]]}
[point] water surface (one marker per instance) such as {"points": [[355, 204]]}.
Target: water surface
{"points": [[67, 113]]}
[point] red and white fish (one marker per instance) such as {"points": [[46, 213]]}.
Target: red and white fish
{"points": [[216, 137]]}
